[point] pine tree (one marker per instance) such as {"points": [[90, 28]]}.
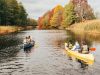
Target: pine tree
{"points": [[14, 11], [22, 15], [3, 12]]}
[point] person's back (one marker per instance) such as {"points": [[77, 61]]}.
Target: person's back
{"points": [[29, 39], [85, 49]]}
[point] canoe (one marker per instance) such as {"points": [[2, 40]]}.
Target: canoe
{"points": [[29, 45], [87, 58]]}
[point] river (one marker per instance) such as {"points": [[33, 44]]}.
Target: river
{"points": [[47, 57]]}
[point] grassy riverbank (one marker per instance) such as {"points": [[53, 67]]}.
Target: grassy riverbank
{"points": [[91, 27], [12, 29]]}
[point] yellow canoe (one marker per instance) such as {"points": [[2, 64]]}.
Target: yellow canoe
{"points": [[87, 58]]}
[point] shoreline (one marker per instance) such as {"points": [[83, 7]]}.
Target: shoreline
{"points": [[12, 29]]}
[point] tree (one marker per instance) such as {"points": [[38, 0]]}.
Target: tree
{"points": [[22, 15], [31, 22], [58, 9], [69, 16], [56, 20], [83, 10], [3, 12], [13, 11]]}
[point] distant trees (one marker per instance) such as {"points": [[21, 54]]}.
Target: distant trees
{"points": [[51, 19], [44, 21], [59, 17], [12, 13], [31, 22]]}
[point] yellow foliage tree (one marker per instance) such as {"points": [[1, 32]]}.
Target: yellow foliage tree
{"points": [[56, 20], [58, 9]]}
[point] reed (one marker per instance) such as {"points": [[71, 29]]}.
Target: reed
{"points": [[91, 26]]}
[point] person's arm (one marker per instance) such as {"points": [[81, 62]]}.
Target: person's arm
{"points": [[73, 48], [66, 46], [24, 41]]}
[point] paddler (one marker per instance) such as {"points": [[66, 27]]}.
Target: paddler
{"points": [[68, 46], [29, 39], [25, 41], [85, 48], [76, 47]]}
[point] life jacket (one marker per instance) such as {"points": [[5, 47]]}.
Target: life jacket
{"points": [[85, 49]]}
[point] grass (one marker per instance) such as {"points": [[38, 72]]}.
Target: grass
{"points": [[91, 26], [9, 29]]}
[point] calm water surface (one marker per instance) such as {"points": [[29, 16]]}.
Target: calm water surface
{"points": [[47, 57]]}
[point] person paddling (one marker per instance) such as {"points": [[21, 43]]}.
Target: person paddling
{"points": [[85, 48], [76, 47], [68, 46], [25, 41], [29, 39]]}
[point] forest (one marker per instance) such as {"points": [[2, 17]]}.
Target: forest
{"points": [[14, 14]]}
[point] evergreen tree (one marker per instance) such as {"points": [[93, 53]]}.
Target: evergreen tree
{"points": [[14, 11], [3, 12], [22, 15]]}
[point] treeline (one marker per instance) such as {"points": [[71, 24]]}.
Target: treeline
{"points": [[62, 17], [13, 13]]}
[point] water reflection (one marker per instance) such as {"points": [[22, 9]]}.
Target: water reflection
{"points": [[9, 40], [28, 51]]}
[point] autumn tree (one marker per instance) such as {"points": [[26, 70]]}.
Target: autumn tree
{"points": [[83, 10], [56, 20], [45, 20], [69, 16]]}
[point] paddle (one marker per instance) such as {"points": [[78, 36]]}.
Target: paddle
{"points": [[92, 49]]}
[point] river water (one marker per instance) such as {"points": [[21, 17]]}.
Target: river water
{"points": [[47, 57]]}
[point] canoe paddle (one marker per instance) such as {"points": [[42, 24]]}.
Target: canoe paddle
{"points": [[92, 49]]}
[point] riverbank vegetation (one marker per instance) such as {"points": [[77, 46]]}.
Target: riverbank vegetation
{"points": [[61, 17], [7, 29], [91, 27], [12, 29]]}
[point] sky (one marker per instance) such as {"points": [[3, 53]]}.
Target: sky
{"points": [[36, 8]]}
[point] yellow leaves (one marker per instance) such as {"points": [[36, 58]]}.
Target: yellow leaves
{"points": [[58, 8]]}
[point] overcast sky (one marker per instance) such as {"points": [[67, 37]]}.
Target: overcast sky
{"points": [[36, 8]]}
